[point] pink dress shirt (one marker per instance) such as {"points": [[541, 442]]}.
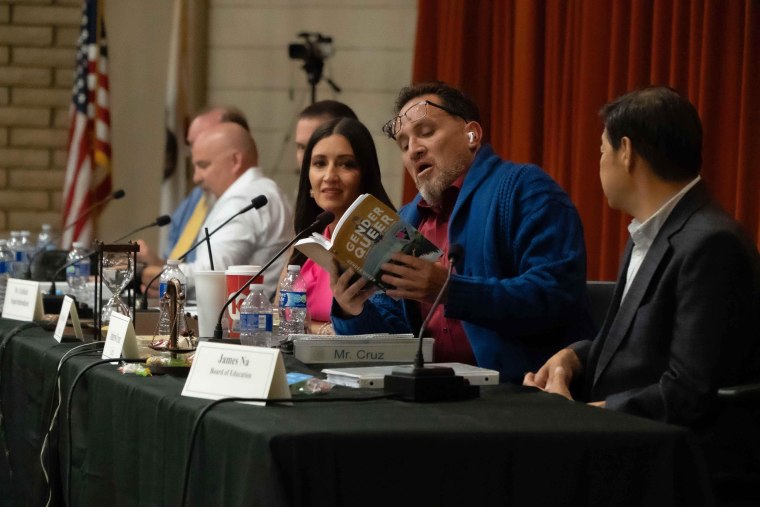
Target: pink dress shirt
{"points": [[318, 293]]}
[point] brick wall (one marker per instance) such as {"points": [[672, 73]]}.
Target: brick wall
{"points": [[37, 52], [247, 66]]}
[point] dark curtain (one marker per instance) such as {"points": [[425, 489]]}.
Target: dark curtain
{"points": [[540, 71]]}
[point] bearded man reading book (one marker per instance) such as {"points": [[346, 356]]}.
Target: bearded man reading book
{"points": [[518, 293]]}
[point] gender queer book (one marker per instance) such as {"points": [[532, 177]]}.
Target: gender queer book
{"points": [[365, 238]]}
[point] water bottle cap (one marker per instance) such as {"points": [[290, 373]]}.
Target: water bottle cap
{"points": [[46, 227], [294, 267], [3, 242], [15, 234], [256, 286], [79, 244], [172, 262], [26, 233]]}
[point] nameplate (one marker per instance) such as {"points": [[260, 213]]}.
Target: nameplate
{"points": [[120, 339], [67, 309], [23, 300], [222, 370], [360, 348]]}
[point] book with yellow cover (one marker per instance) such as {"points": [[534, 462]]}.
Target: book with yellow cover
{"points": [[365, 238]]}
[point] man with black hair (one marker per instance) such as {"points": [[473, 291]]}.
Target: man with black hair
{"points": [[518, 293], [312, 117], [684, 319]]}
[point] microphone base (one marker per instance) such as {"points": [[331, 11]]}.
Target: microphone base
{"points": [[51, 304], [429, 384]]}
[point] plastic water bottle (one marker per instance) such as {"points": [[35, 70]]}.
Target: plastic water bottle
{"points": [[171, 270], [22, 250], [6, 261], [256, 318], [78, 273], [292, 303], [16, 268], [27, 252], [45, 239]]}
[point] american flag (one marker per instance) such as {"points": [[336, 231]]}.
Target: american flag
{"points": [[88, 166]]}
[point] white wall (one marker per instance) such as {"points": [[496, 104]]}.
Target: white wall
{"points": [[248, 66], [138, 43]]}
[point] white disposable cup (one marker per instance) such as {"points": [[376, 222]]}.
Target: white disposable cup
{"points": [[210, 295]]}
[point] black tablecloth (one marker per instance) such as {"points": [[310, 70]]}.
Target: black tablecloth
{"points": [[512, 446]]}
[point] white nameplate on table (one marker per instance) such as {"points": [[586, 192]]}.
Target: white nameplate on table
{"points": [[23, 300], [222, 370], [374, 376], [63, 318], [120, 339], [366, 348]]}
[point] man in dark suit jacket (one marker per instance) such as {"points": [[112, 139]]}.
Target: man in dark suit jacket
{"points": [[684, 319]]}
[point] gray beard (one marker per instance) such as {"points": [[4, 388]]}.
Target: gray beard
{"points": [[432, 191], [434, 199]]}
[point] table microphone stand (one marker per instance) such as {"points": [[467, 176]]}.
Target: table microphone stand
{"points": [[438, 383]]}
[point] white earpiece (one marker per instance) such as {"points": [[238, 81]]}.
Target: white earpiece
{"points": [[471, 137]]}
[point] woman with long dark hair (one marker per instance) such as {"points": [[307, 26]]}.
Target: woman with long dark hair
{"points": [[339, 164]]}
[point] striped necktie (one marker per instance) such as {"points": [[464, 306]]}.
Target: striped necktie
{"points": [[192, 227]]}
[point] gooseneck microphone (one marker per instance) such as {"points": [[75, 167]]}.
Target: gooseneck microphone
{"points": [[417, 383], [324, 218], [118, 194], [455, 253], [256, 202], [158, 222]]}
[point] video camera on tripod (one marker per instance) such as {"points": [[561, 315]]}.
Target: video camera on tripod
{"points": [[314, 50]]}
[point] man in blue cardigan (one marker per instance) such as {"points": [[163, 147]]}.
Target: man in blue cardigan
{"points": [[518, 292]]}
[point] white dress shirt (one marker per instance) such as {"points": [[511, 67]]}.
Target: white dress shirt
{"points": [[643, 234], [251, 238]]}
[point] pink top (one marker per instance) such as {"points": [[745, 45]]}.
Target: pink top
{"points": [[318, 293]]}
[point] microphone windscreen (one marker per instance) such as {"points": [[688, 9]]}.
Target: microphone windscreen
{"points": [[259, 201], [322, 220], [163, 220], [118, 194], [455, 253]]}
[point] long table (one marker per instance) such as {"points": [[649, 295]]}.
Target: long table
{"points": [[511, 446]]}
